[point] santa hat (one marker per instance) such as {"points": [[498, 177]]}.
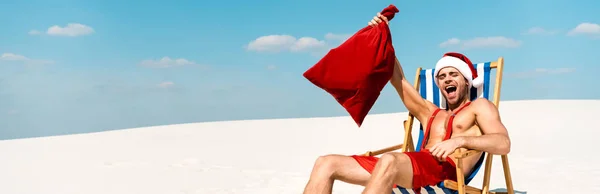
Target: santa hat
{"points": [[463, 64]]}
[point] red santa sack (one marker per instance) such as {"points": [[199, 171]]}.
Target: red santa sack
{"points": [[355, 72]]}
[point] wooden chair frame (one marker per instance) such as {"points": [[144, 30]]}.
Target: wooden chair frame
{"points": [[459, 185]]}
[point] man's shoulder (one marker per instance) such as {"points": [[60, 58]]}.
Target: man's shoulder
{"points": [[483, 104]]}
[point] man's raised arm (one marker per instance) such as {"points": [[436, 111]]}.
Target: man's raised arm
{"points": [[415, 104], [495, 138]]}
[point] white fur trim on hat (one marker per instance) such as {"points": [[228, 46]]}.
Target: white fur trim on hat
{"points": [[463, 68], [478, 82]]}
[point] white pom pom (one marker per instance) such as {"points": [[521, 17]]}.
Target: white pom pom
{"points": [[478, 82]]}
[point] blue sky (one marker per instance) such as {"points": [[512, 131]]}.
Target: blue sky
{"points": [[104, 71]]}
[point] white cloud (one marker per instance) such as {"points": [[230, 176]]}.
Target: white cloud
{"points": [[72, 29], [481, 42], [166, 84], [555, 70], [15, 58], [271, 67], [272, 43], [539, 31], [450, 42], [279, 43], [306, 44], [166, 62], [338, 37], [12, 112], [541, 72], [34, 32], [590, 29]]}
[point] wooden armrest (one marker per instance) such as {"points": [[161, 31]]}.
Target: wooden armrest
{"points": [[384, 150], [450, 184], [461, 155]]}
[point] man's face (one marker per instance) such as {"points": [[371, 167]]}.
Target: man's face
{"points": [[452, 84]]}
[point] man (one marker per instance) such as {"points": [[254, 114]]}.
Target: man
{"points": [[463, 125]]}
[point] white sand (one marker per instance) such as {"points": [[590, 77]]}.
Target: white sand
{"points": [[554, 150]]}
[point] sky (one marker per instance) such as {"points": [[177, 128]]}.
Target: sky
{"points": [[71, 66]]}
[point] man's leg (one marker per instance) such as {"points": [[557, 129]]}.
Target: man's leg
{"points": [[392, 168], [335, 167]]}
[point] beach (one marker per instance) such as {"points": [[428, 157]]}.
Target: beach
{"points": [[553, 151]]}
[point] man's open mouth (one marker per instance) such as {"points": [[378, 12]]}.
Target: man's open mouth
{"points": [[450, 89]]}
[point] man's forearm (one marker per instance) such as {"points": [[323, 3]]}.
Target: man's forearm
{"points": [[398, 74], [498, 144]]}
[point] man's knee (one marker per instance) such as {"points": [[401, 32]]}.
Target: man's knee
{"points": [[394, 159], [325, 163]]}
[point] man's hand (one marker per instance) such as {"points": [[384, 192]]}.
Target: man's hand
{"points": [[378, 19], [443, 149]]}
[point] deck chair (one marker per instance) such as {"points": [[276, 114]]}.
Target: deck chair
{"points": [[426, 86]]}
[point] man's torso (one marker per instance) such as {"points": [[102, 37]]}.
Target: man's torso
{"points": [[463, 124]]}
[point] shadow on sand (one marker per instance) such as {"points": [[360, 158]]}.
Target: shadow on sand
{"points": [[505, 190]]}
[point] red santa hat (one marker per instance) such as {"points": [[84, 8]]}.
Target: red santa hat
{"points": [[464, 66]]}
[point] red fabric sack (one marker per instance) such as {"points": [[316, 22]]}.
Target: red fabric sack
{"points": [[355, 72]]}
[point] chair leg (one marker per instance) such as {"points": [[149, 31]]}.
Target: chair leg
{"points": [[507, 176], [485, 188], [408, 141], [460, 177]]}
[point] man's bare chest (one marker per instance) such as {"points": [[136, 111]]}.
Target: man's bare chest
{"points": [[444, 123]]}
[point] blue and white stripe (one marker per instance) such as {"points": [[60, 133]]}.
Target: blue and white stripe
{"points": [[429, 90]]}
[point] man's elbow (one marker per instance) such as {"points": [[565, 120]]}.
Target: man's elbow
{"points": [[504, 147]]}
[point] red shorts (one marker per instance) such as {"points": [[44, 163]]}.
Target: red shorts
{"points": [[426, 169]]}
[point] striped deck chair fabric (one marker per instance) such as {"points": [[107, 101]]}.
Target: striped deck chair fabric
{"points": [[432, 93]]}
